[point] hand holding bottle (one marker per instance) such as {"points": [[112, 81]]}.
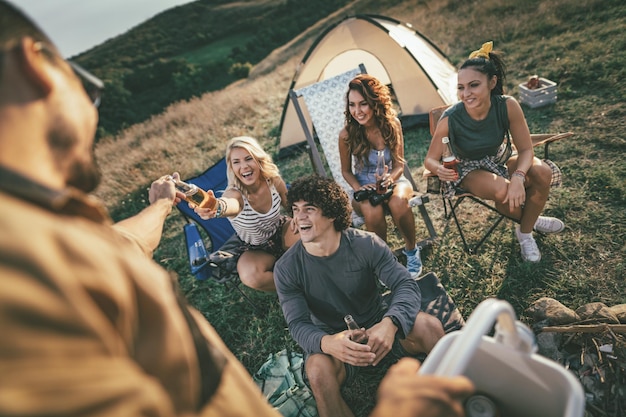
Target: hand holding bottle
{"points": [[194, 195], [382, 176], [449, 162], [357, 334], [162, 189]]}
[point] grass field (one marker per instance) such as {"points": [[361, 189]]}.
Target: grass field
{"points": [[580, 44]]}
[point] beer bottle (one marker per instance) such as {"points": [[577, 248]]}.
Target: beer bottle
{"points": [[357, 334], [448, 158], [380, 172], [194, 194]]}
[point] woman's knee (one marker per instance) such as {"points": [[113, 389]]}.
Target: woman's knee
{"points": [[373, 215], [540, 175], [252, 269]]}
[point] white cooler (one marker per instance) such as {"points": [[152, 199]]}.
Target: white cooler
{"points": [[505, 367]]}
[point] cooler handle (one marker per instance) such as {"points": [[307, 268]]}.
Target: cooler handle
{"points": [[479, 323]]}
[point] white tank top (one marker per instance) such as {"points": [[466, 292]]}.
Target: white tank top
{"points": [[257, 228]]}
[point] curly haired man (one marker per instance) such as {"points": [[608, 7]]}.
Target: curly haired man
{"points": [[333, 271]]}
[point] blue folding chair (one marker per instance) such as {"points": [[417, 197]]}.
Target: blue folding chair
{"points": [[212, 263]]}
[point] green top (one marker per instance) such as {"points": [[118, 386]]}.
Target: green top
{"points": [[474, 139]]}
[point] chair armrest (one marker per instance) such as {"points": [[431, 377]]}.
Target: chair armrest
{"points": [[539, 139]]}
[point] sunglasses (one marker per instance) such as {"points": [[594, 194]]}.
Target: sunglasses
{"points": [[93, 85]]}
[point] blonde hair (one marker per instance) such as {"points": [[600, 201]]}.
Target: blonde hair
{"points": [[268, 168]]}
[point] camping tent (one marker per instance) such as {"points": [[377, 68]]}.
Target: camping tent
{"points": [[421, 76]]}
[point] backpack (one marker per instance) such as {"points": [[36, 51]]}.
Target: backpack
{"points": [[280, 380]]}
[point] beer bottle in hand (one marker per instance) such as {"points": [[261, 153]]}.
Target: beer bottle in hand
{"points": [[448, 158], [380, 172], [357, 334], [194, 194]]}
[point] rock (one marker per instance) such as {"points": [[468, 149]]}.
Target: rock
{"points": [[553, 311], [548, 345], [597, 312], [620, 312]]}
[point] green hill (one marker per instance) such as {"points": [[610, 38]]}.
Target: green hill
{"points": [[189, 50]]}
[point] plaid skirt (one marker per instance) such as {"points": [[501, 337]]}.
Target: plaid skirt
{"points": [[489, 163], [464, 167]]}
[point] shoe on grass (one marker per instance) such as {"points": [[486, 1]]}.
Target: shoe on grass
{"points": [[528, 246], [413, 262], [547, 225]]}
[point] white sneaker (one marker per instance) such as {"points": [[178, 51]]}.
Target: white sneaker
{"points": [[547, 225], [528, 246], [413, 262]]}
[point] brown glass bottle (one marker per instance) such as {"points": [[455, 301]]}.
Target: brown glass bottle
{"points": [[357, 333], [194, 194], [447, 156]]}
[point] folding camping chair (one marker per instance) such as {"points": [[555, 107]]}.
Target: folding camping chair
{"points": [[451, 205], [214, 265], [322, 109]]}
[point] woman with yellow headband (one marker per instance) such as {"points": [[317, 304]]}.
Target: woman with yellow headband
{"points": [[481, 127]]}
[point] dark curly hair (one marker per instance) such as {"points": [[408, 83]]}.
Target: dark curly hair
{"points": [[378, 97], [325, 194]]}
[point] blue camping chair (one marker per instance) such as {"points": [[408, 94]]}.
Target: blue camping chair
{"points": [[214, 265]]}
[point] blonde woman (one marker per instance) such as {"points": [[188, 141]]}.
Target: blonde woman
{"points": [[252, 202]]}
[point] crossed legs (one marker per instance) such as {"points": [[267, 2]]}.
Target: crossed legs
{"points": [[256, 268]]}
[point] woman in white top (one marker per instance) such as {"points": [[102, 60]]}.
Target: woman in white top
{"points": [[252, 203]]}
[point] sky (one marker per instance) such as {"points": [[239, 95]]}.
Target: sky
{"points": [[77, 25]]}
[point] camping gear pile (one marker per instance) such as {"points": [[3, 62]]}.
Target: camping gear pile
{"points": [[591, 343]]}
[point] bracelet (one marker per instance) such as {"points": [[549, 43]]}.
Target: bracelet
{"points": [[519, 173], [220, 208]]}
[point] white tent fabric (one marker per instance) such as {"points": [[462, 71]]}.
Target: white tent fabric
{"points": [[420, 75]]}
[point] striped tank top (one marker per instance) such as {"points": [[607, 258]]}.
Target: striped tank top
{"points": [[257, 228]]}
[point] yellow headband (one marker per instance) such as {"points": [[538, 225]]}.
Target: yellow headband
{"points": [[483, 52]]}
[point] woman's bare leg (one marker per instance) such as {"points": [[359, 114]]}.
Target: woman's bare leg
{"points": [[255, 269], [402, 213]]}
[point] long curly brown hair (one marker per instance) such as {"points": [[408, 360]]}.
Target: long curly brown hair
{"points": [[378, 97]]}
